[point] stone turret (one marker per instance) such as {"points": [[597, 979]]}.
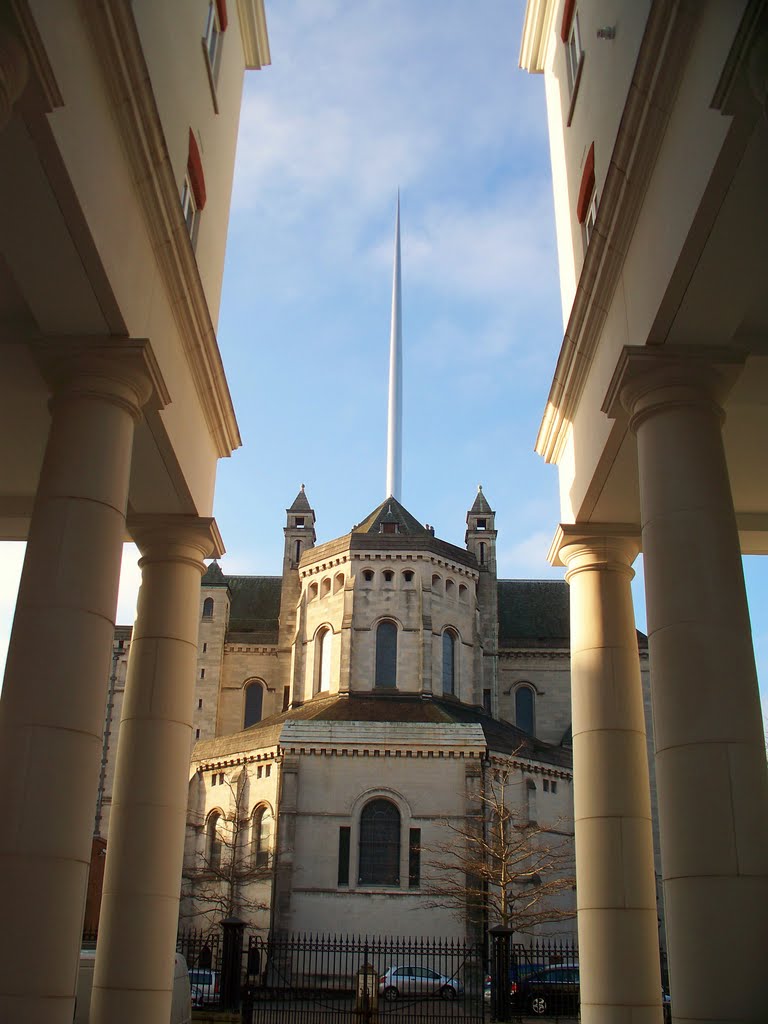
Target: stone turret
{"points": [[300, 536], [480, 539]]}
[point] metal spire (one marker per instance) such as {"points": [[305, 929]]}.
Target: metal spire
{"points": [[395, 412]]}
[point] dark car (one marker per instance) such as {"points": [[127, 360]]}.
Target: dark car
{"points": [[552, 990]]}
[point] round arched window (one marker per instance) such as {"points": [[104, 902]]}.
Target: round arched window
{"points": [[379, 844], [254, 701]]}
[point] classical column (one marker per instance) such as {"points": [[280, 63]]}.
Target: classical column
{"points": [[52, 707], [710, 756], [615, 879], [140, 903]]}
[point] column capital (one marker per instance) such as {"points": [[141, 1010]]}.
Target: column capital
{"points": [[603, 546], [647, 379], [122, 370], [171, 538]]}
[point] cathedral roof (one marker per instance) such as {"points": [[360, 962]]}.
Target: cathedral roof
{"points": [[390, 527], [534, 613], [481, 505], [300, 502], [537, 613], [254, 609], [501, 737], [213, 576], [391, 511]]}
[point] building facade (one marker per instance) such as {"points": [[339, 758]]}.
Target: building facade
{"points": [[118, 124], [659, 149]]}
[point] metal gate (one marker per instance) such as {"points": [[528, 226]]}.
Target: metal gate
{"points": [[314, 979]]}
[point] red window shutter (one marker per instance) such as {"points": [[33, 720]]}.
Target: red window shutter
{"points": [[195, 171], [221, 8], [565, 28], [587, 185]]}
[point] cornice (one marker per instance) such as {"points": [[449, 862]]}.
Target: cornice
{"points": [[537, 28], [118, 46], [383, 739], [253, 30], [272, 755], [269, 651], [659, 69], [535, 652]]}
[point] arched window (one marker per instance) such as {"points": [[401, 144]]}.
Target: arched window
{"points": [[213, 841], [338, 582], [324, 645], [388, 575], [435, 581], [312, 591], [379, 844], [386, 654], [482, 552], [450, 588], [368, 575], [325, 587], [208, 608], [408, 575], [463, 592], [449, 662], [261, 832], [298, 550], [530, 797], [524, 708], [254, 700]]}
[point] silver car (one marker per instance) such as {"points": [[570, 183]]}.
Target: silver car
{"points": [[410, 980]]}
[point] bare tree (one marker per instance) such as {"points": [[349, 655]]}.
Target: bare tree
{"points": [[500, 866], [220, 880]]}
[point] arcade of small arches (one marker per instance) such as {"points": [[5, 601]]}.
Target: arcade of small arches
{"points": [[218, 836]]}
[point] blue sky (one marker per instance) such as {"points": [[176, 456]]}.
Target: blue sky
{"points": [[363, 97]]}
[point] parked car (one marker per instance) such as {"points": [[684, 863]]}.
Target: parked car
{"points": [[181, 1010], [411, 980], [553, 990], [205, 985]]}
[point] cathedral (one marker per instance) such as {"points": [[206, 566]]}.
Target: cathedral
{"points": [[350, 708]]}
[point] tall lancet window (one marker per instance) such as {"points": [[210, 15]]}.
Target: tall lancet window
{"points": [[324, 645], [449, 662], [524, 709], [254, 700], [386, 654]]}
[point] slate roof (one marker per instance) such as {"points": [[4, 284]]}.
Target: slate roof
{"points": [[391, 511], [255, 608], [300, 502], [213, 576], [480, 504], [501, 736], [537, 613], [534, 613]]}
